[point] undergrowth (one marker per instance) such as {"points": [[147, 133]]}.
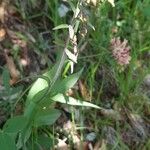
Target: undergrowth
{"points": [[89, 68]]}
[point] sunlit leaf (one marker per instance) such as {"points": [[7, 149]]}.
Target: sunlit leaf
{"points": [[71, 32], [50, 76], [112, 2], [71, 56], [62, 26], [38, 85], [72, 101], [94, 2], [77, 11]]}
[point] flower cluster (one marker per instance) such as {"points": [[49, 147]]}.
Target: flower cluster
{"points": [[121, 51]]}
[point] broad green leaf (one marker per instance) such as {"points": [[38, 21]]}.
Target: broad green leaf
{"points": [[62, 26], [40, 95], [45, 142], [65, 84], [146, 11], [46, 101], [6, 142], [24, 136], [72, 101], [39, 85], [46, 117], [41, 143], [29, 109], [38, 100], [53, 74], [15, 124]]}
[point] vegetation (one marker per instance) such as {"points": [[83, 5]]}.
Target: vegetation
{"points": [[74, 74]]}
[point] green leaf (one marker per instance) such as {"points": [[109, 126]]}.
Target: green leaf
{"points": [[65, 84], [24, 136], [6, 142], [72, 101], [6, 78], [29, 109], [36, 102], [16, 90], [46, 117], [11, 94], [72, 6], [45, 142], [40, 95], [34, 2], [38, 86], [42, 142], [15, 124], [41, 83], [40, 100], [146, 11], [62, 26]]}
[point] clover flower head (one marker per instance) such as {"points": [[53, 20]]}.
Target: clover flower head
{"points": [[121, 51]]}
